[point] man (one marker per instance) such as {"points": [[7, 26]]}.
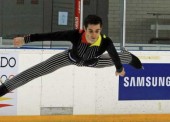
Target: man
{"points": [[87, 49]]}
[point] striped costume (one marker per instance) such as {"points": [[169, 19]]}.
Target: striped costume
{"points": [[81, 54]]}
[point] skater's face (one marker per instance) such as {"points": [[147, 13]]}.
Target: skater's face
{"points": [[92, 32]]}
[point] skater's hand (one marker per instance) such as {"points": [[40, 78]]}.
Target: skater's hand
{"points": [[18, 41], [122, 73]]}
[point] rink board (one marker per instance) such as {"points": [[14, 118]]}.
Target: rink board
{"points": [[104, 103]]}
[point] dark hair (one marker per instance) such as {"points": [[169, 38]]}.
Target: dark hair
{"points": [[92, 19]]}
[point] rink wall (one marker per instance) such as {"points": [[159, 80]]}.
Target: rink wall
{"points": [[87, 91]]}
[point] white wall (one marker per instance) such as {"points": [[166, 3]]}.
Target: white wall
{"points": [[87, 90]]}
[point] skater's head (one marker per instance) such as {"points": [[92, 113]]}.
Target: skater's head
{"points": [[92, 20], [92, 27]]}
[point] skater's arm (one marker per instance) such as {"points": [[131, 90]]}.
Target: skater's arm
{"points": [[115, 58], [70, 35], [53, 36]]}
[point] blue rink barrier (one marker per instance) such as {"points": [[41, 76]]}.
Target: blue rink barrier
{"points": [[152, 83]]}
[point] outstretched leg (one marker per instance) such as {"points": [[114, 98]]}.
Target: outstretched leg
{"points": [[53, 63], [125, 57]]}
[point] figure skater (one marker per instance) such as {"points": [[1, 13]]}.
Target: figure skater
{"points": [[88, 47]]}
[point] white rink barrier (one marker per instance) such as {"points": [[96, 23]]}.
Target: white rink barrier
{"points": [[82, 90]]}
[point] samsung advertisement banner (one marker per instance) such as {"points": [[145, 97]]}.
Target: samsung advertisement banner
{"points": [[151, 83], [8, 69]]}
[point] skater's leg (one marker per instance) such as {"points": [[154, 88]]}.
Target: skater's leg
{"points": [[125, 57], [55, 62]]}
